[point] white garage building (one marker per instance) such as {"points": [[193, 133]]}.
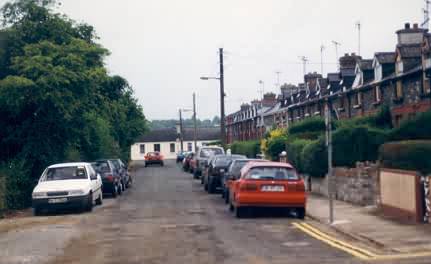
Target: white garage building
{"points": [[167, 142]]}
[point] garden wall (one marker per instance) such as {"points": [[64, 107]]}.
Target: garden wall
{"points": [[358, 185]]}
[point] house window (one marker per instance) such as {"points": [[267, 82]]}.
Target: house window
{"points": [[399, 90], [142, 148], [398, 119], [157, 147], [189, 146], [377, 94], [172, 147]]}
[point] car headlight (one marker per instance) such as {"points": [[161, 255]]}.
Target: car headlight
{"points": [[76, 192], [38, 194]]}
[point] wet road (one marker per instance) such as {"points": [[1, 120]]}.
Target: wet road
{"points": [[166, 217]]}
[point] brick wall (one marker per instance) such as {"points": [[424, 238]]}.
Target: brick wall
{"points": [[358, 185]]}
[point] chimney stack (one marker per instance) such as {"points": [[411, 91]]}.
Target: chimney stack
{"points": [[415, 26], [407, 26]]}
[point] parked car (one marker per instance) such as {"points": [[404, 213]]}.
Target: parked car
{"points": [[126, 178], [268, 184], [154, 158], [217, 169], [186, 161], [67, 185], [202, 156], [233, 173], [111, 180]]}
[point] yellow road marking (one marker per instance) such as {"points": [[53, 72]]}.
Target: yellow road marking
{"points": [[354, 250]]}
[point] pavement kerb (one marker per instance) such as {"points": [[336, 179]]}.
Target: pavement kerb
{"points": [[360, 238]]}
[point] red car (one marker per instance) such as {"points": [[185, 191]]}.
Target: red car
{"points": [[153, 158], [268, 184]]}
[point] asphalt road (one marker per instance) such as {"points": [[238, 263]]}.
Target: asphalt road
{"points": [[166, 217]]}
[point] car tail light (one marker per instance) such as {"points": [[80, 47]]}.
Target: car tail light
{"points": [[110, 178], [248, 187]]}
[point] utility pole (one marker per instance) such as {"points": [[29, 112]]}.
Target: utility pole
{"points": [[322, 48], [222, 95], [358, 25], [426, 11], [181, 131], [336, 44], [195, 134], [329, 145]]}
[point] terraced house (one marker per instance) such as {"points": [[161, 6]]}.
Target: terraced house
{"points": [[398, 78]]}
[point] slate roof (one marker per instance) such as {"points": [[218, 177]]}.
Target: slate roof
{"points": [[385, 57], [170, 134], [366, 65], [334, 77]]}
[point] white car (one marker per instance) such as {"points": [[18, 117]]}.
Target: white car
{"points": [[67, 185]]}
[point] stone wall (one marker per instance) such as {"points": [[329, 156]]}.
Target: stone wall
{"points": [[358, 185]]}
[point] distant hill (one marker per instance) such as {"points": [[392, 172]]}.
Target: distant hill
{"points": [[170, 123]]}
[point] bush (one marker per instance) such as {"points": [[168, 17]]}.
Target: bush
{"points": [[417, 128], [294, 150], [248, 148], [314, 124], [276, 145], [315, 158], [19, 184], [352, 144], [407, 155]]}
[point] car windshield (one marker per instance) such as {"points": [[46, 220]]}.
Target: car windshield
{"points": [[207, 152], [272, 173], [65, 173], [101, 166]]}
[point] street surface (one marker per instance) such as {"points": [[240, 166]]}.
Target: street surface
{"points": [[166, 217]]}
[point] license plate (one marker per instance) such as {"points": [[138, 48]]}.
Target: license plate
{"points": [[272, 188], [57, 200]]}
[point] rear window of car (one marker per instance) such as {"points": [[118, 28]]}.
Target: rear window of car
{"points": [[272, 173], [207, 152], [101, 166], [237, 166], [65, 173]]}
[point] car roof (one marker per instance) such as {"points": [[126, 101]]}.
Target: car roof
{"points": [[255, 164], [68, 164]]}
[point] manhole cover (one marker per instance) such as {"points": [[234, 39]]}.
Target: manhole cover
{"points": [[296, 244]]}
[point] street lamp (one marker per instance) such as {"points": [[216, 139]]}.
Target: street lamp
{"points": [[181, 126], [222, 95]]}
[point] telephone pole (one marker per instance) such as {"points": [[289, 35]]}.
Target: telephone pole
{"points": [[195, 134], [222, 95], [181, 131], [330, 181]]}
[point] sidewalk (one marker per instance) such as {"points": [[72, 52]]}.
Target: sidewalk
{"points": [[364, 224]]}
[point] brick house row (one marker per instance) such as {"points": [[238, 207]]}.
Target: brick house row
{"points": [[399, 79]]}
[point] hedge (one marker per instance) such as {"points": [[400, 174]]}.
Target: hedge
{"points": [[381, 120], [407, 155], [417, 128], [294, 150], [18, 184], [357, 143], [313, 124], [315, 158], [248, 148]]}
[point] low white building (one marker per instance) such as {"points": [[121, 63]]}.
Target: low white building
{"points": [[167, 142]]}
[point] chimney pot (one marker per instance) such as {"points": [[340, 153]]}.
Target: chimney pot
{"points": [[346, 54], [353, 54], [415, 26], [407, 26]]}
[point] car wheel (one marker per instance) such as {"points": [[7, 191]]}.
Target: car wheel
{"points": [[239, 211], [226, 197], [99, 201], [300, 213], [195, 174], [161, 164], [205, 186], [37, 211], [89, 202], [211, 185], [120, 189], [115, 191]]}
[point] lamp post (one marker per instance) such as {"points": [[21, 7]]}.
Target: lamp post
{"points": [[222, 95], [181, 126]]}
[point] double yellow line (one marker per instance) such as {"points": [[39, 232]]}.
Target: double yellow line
{"points": [[358, 252]]}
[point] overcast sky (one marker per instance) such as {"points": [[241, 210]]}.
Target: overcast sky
{"points": [[162, 47]]}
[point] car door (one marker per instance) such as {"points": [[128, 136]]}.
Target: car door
{"points": [[96, 183]]}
